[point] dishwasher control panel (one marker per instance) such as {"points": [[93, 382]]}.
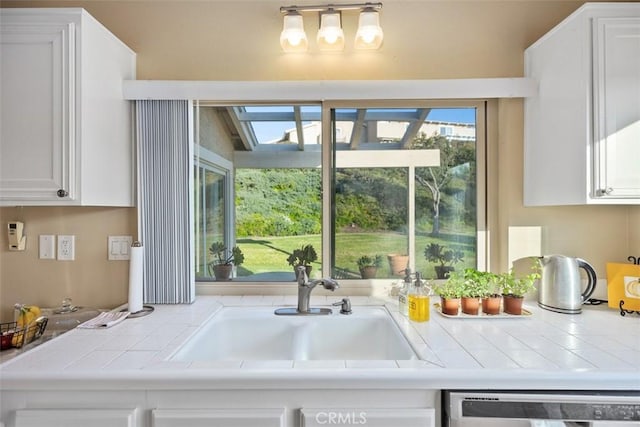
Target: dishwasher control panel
{"points": [[565, 411], [579, 407], [616, 412]]}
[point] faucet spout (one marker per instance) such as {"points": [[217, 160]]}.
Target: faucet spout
{"points": [[329, 284], [305, 286]]}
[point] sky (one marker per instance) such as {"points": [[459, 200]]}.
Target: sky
{"points": [[269, 131]]}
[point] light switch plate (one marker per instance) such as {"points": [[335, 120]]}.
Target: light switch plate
{"points": [[119, 248], [47, 246]]}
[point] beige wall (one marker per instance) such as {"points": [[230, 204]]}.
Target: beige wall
{"points": [[91, 280], [595, 233], [238, 40], [634, 232], [212, 133]]}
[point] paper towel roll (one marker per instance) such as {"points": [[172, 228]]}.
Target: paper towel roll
{"points": [[135, 278]]}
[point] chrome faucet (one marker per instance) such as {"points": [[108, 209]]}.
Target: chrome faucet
{"points": [[305, 286]]}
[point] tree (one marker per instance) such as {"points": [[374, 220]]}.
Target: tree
{"points": [[437, 178]]}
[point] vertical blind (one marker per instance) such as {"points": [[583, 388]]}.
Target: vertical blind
{"points": [[164, 200]]}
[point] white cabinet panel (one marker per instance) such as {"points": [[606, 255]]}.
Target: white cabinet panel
{"points": [[217, 417], [76, 418], [397, 417], [582, 130], [617, 106], [36, 134], [66, 135]]}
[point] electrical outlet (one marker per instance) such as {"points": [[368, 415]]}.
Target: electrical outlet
{"points": [[66, 248]]}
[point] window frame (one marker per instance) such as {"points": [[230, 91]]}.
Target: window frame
{"points": [[481, 165], [482, 107], [208, 160]]}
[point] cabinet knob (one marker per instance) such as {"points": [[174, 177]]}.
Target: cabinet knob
{"points": [[605, 191], [62, 193]]}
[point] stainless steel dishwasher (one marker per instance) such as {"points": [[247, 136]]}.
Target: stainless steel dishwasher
{"points": [[541, 408]]}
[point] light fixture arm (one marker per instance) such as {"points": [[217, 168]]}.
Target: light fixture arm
{"points": [[337, 7]]}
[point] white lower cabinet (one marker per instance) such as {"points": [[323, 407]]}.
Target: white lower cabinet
{"points": [[76, 418], [369, 417], [217, 417], [183, 407]]}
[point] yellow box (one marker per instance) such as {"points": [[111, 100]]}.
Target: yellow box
{"points": [[623, 284]]}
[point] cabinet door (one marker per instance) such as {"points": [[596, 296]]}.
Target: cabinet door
{"points": [[37, 133], [397, 417], [76, 418], [217, 417], [616, 107]]}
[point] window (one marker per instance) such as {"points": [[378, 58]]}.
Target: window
{"points": [[402, 187], [446, 131], [212, 207], [395, 185]]}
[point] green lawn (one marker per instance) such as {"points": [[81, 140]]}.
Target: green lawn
{"points": [[269, 254]]}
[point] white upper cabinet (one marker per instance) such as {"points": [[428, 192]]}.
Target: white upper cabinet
{"points": [[582, 130], [66, 134], [617, 107]]}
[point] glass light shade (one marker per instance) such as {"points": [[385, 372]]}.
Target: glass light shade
{"points": [[369, 34], [293, 37], [330, 34]]}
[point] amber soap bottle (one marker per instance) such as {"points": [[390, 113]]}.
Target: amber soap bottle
{"points": [[418, 301]]}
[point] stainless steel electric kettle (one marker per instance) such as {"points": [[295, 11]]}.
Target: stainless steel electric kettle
{"points": [[561, 284]]}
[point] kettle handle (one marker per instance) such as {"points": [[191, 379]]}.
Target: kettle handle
{"points": [[592, 280]]}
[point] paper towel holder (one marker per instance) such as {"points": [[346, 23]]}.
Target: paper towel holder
{"points": [[146, 309]]}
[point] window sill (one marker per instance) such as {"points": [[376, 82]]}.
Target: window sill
{"points": [[347, 288]]}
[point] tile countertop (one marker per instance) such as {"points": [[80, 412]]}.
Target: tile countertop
{"points": [[597, 350]]}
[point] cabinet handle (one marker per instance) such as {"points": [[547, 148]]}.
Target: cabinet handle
{"points": [[605, 192], [62, 193]]}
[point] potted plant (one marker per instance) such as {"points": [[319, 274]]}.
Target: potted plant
{"points": [[305, 255], [476, 286], [398, 263], [492, 299], [368, 266], [514, 289], [224, 260], [445, 258], [450, 293]]}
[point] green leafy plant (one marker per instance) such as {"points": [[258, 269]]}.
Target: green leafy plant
{"points": [[453, 287], [367, 261], [445, 258], [518, 286], [302, 256], [480, 283], [435, 252], [223, 256]]}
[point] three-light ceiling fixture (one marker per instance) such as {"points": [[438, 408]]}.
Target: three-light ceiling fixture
{"points": [[330, 35]]}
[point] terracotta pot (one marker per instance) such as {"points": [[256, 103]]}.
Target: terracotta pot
{"points": [[450, 306], [368, 272], [222, 271], [491, 305], [398, 263], [512, 304], [442, 271], [470, 305]]}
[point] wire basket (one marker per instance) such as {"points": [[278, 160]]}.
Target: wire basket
{"points": [[12, 336], [6, 331]]}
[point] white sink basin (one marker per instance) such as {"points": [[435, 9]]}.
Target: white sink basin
{"points": [[256, 333]]}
